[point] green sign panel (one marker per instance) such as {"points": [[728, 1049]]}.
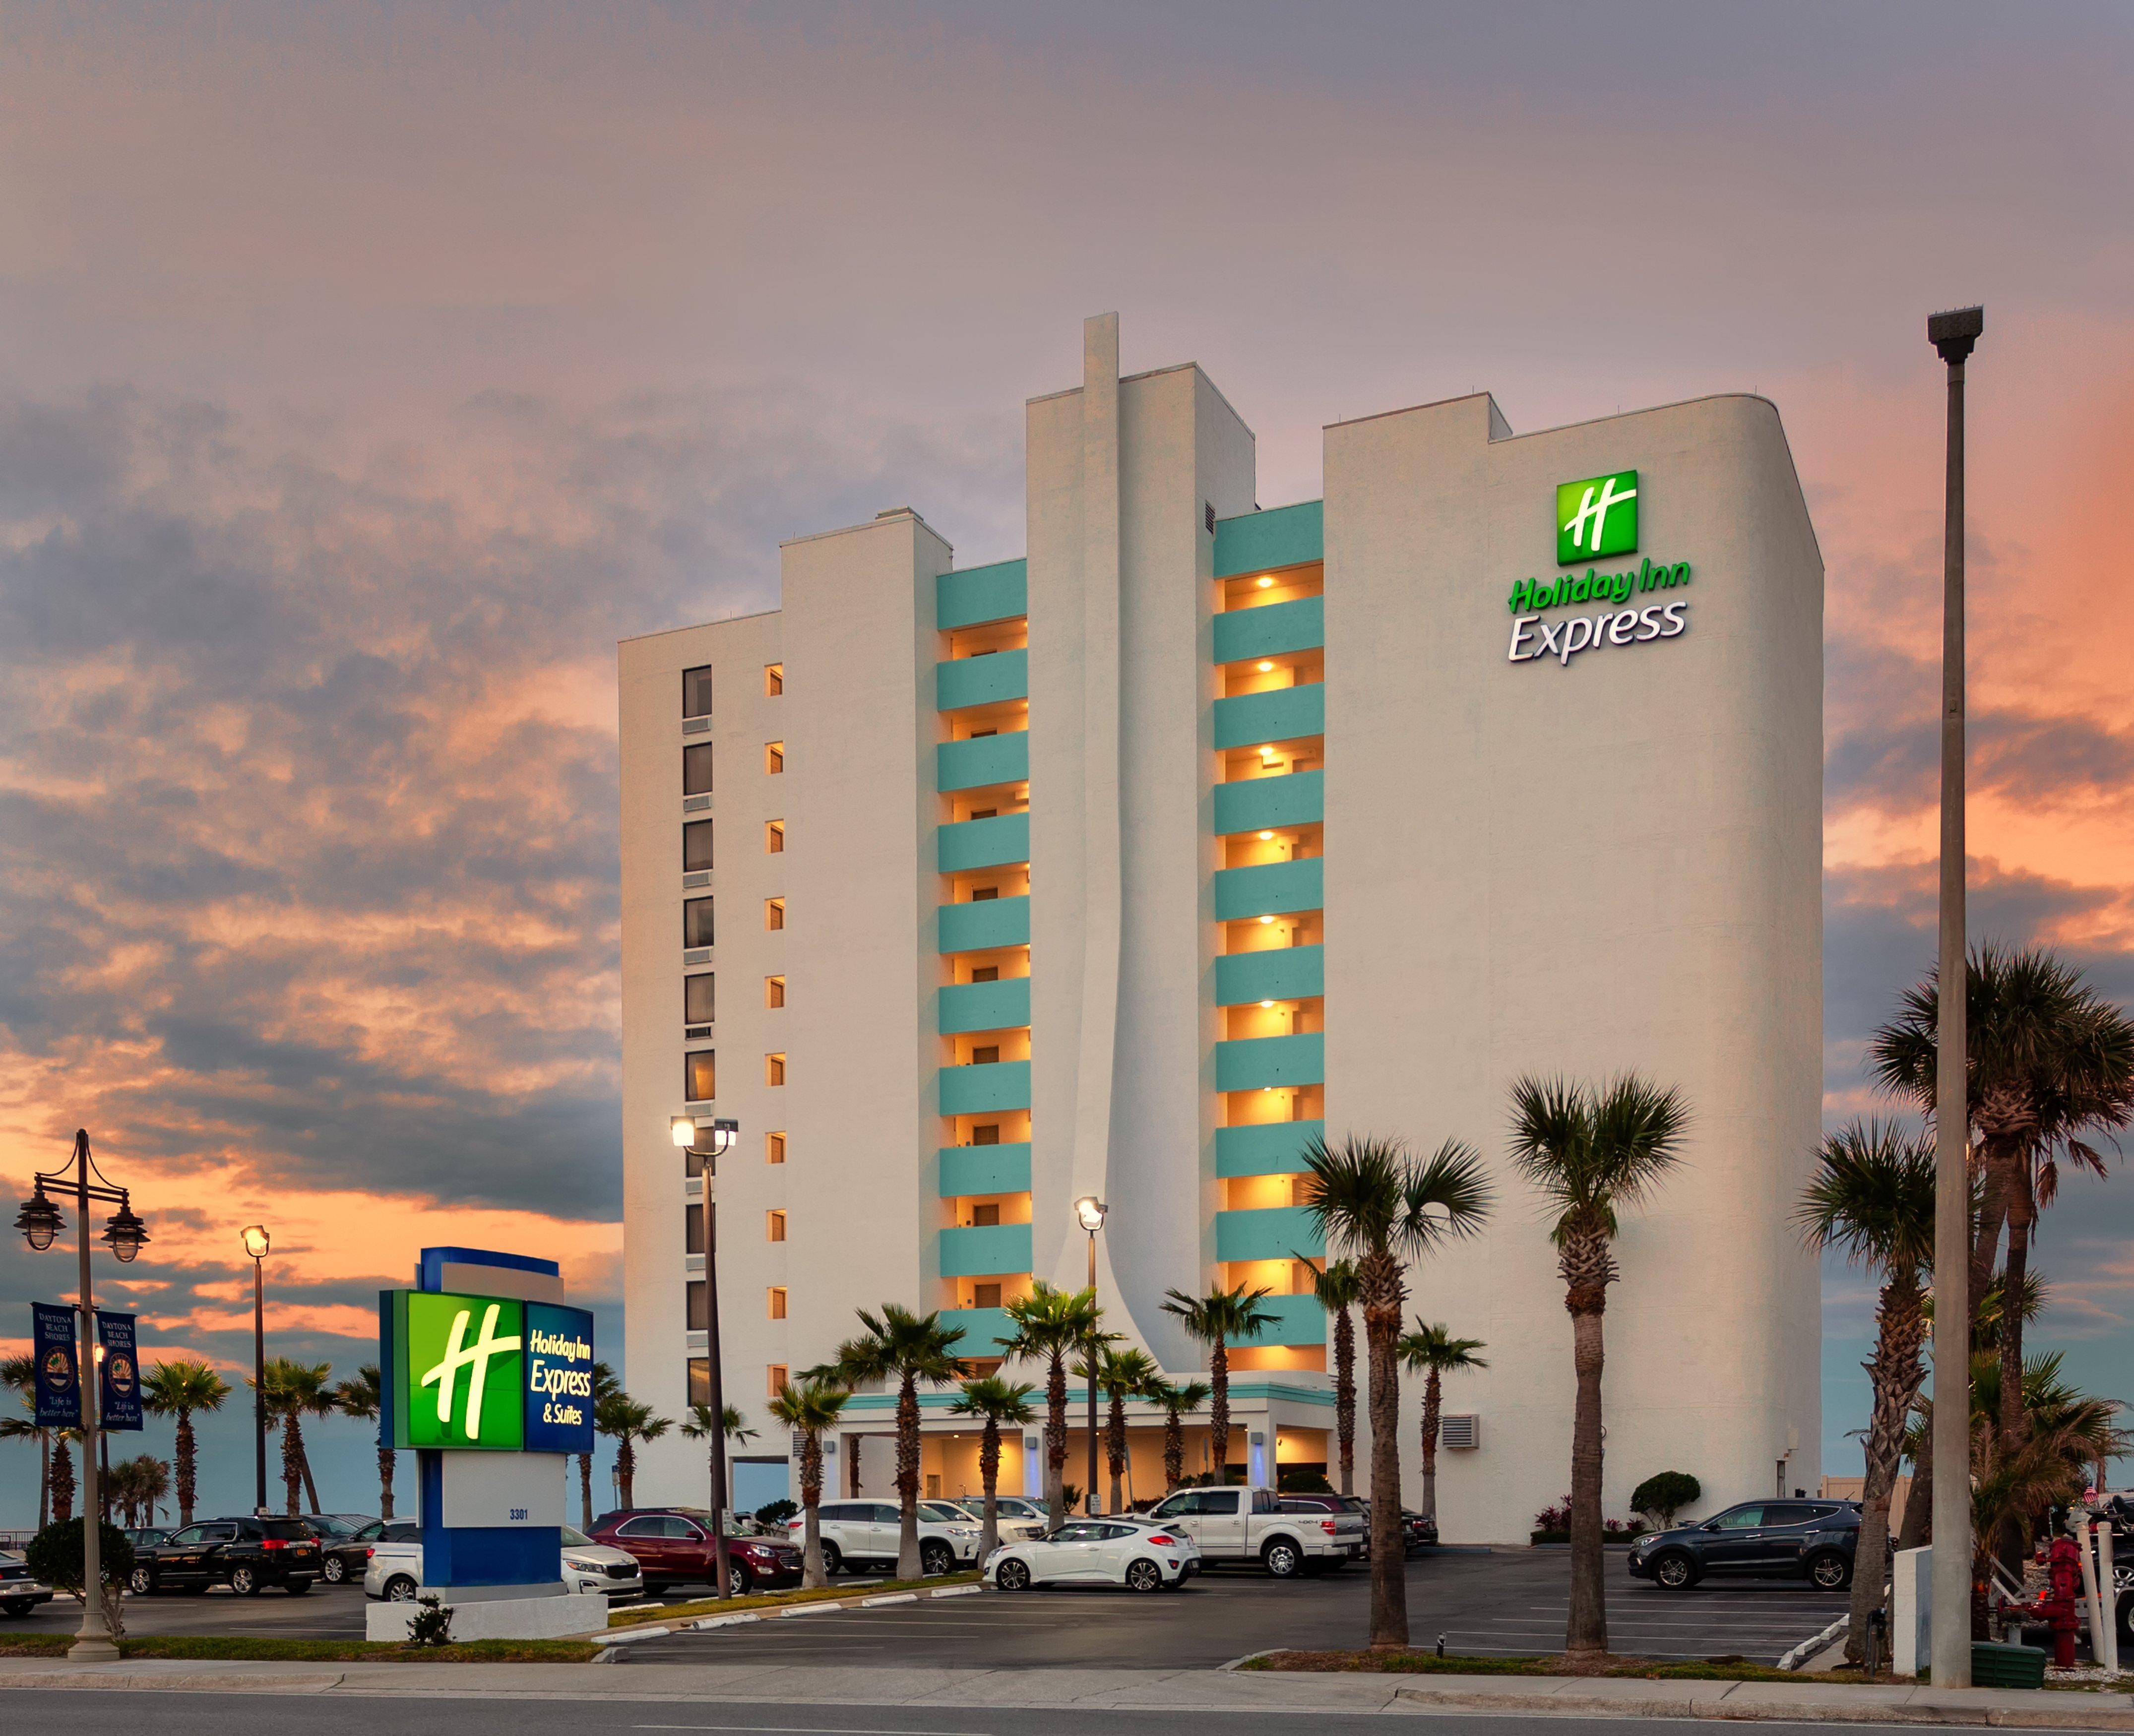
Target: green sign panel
{"points": [[459, 1370], [1598, 516]]}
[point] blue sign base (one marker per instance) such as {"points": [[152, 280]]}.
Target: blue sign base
{"points": [[481, 1555]]}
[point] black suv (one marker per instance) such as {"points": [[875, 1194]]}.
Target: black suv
{"points": [[245, 1553], [1812, 1540]]}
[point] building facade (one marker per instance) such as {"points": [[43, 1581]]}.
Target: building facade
{"points": [[1125, 868]]}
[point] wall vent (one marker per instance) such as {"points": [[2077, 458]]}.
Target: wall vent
{"points": [[695, 1030], [693, 804], [695, 726], [695, 880], [701, 955], [1207, 508], [1459, 1434]]}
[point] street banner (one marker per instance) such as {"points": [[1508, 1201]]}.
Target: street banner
{"points": [[118, 1393], [59, 1388]]}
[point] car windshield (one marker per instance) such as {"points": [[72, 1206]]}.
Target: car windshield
{"points": [[941, 1513], [330, 1525], [575, 1539]]}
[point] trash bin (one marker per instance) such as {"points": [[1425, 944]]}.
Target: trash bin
{"points": [[2006, 1667]]}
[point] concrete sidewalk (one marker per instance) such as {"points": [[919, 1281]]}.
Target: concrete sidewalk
{"points": [[1211, 1690]]}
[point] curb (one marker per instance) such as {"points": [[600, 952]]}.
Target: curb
{"points": [[1777, 1710]]}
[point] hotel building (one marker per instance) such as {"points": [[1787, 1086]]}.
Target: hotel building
{"points": [[1125, 867]]}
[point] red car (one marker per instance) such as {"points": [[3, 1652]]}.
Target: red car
{"points": [[672, 1547]]}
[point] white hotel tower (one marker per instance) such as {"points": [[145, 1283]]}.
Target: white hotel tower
{"points": [[1123, 868]]}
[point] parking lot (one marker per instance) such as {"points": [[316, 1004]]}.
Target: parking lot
{"points": [[325, 1612]]}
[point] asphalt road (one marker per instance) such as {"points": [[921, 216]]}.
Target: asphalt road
{"points": [[324, 1613]]}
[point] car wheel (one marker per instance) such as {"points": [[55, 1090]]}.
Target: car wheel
{"points": [[1144, 1575], [935, 1558], [738, 1580], [1282, 1558], [18, 1606], [295, 1588], [1012, 1575], [1830, 1571], [1676, 1571], [140, 1582], [244, 1582], [834, 1560], [400, 1589], [336, 1569]]}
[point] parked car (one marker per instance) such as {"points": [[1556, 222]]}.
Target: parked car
{"points": [[1333, 1506], [1418, 1530], [672, 1547], [344, 1553], [395, 1569], [1814, 1539], [1142, 1554], [1243, 1525], [20, 1591], [246, 1554], [143, 1536], [1018, 1515], [858, 1534]]}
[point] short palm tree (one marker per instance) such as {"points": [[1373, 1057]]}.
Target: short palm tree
{"points": [[736, 1430], [1431, 1352], [62, 1478], [606, 1386], [137, 1485], [1179, 1402], [362, 1399], [1051, 1325], [900, 1346], [1872, 1198], [178, 1388], [625, 1422], [19, 1374], [1334, 1283], [1219, 1320], [994, 1401], [1121, 1375], [1377, 1204], [810, 1409], [1591, 1153], [294, 1391]]}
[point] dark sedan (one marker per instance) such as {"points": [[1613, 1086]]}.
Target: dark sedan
{"points": [[247, 1554], [1810, 1539], [345, 1541], [21, 1592], [672, 1547]]}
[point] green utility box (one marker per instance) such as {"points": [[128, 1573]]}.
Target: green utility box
{"points": [[2006, 1667]]}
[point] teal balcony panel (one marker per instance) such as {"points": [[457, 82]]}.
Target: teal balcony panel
{"points": [[1297, 1319], [1269, 631], [1254, 804], [977, 594], [1251, 1063], [991, 843], [1287, 536], [986, 680], [1280, 974], [982, 760], [1273, 888], [1281, 714], [1266, 1147], [1278, 1233], [990, 1248], [981, 926], [984, 1006], [982, 1088], [986, 1332], [985, 1170]]}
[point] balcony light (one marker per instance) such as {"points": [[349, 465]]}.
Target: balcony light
{"points": [[1265, 666], [1266, 919], [1266, 838], [1266, 1004], [1267, 583]]}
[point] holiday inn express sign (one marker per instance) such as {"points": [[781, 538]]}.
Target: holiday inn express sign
{"points": [[491, 1373], [1596, 517]]}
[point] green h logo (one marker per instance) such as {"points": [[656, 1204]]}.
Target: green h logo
{"points": [[463, 1376], [1596, 517]]}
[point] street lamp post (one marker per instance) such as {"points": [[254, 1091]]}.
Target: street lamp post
{"points": [[1090, 1211], [1952, 334], [256, 1244], [684, 1130], [39, 1222]]}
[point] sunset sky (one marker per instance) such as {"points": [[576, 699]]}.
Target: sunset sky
{"points": [[367, 372]]}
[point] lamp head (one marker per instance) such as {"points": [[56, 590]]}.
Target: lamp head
{"points": [[256, 1240], [1089, 1211], [39, 1220], [125, 1232], [723, 1134], [1953, 333], [683, 1130]]}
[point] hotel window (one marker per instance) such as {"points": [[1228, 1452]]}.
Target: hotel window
{"points": [[774, 1381], [986, 1216], [700, 1305], [774, 1225], [985, 1295], [696, 922], [774, 837], [774, 1069], [774, 758], [695, 846], [697, 692], [773, 1148], [697, 770], [774, 912], [983, 895], [700, 1379], [692, 1229], [985, 973], [774, 991], [985, 1054], [697, 1160], [773, 680], [777, 1300], [700, 1075], [696, 999], [988, 1135]]}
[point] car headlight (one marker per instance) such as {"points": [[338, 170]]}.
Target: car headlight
{"points": [[1649, 1537]]}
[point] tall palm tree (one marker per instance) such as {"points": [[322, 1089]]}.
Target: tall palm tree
{"points": [[178, 1388], [294, 1391], [19, 1375], [1051, 1325], [1121, 1375], [735, 1429], [625, 1422], [363, 1399], [63, 1485], [1219, 1319], [1590, 1153], [1334, 1283], [1376, 1202], [1872, 1198], [1179, 1403], [900, 1346], [994, 1401], [606, 1386], [810, 1409], [1431, 1352]]}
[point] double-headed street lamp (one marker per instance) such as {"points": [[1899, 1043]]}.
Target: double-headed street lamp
{"points": [[256, 1244], [39, 1221], [722, 1136], [1090, 1212]]}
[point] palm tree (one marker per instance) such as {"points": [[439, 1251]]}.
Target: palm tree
{"points": [[810, 1409], [178, 1388], [625, 1422], [1432, 1351], [1872, 1197], [606, 1386], [699, 1428], [294, 1391], [1381, 1206], [63, 1474], [362, 1399], [1121, 1374], [1591, 1153], [1178, 1402], [1051, 1325], [996, 1402], [1335, 1287], [899, 1345], [19, 1374], [137, 1485], [1217, 1320]]}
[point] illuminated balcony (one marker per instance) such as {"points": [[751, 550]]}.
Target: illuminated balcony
{"points": [[964, 682], [1281, 714], [1287, 536], [1298, 625], [977, 595], [1279, 1232], [985, 1330], [1259, 1064], [984, 1250], [967, 1169], [983, 924], [1266, 1148], [977, 1006], [1272, 888], [983, 1087], [1262, 804], [989, 843], [982, 760], [1281, 973]]}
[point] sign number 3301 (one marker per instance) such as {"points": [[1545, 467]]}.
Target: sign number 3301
{"points": [[518, 1513]]}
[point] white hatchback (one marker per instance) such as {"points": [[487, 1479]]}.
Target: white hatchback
{"points": [[1139, 1554]]}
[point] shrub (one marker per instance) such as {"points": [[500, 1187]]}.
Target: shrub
{"points": [[1554, 1517], [1292, 1480], [55, 1555], [431, 1622], [1660, 1498], [777, 1512]]}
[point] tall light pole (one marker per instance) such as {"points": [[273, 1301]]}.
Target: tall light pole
{"points": [[41, 1222], [256, 1244], [1089, 1211], [684, 1131], [1952, 334]]}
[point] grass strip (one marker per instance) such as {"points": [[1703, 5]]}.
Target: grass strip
{"points": [[1646, 1669], [673, 1612], [217, 1648]]}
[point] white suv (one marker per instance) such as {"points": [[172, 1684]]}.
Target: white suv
{"points": [[1018, 1516], [857, 1534]]}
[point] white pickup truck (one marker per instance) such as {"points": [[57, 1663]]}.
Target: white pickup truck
{"points": [[1243, 1525]]}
